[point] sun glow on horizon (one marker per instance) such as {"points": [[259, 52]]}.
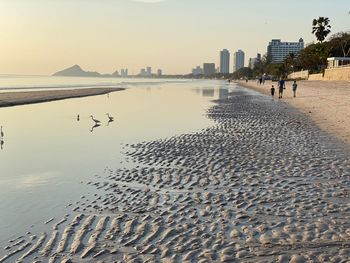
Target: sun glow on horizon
{"points": [[42, 37]]}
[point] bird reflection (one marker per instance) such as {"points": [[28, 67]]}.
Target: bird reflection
{"points": [[1, 138], [95, 126]]}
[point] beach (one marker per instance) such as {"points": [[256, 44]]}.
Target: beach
{"points": [[327, 103], [262, 183], [8, 99]]}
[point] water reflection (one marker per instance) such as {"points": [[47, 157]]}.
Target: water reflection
{"points": [[95, 126], [208, 92], [214, 92], [223, 93], [1, 138], [109, 121], [35, 180]]}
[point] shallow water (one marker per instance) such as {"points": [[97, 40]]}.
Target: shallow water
{"points": [[47, 153], [28, 83]]}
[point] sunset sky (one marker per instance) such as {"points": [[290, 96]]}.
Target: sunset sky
{"points": [[44, 36]]}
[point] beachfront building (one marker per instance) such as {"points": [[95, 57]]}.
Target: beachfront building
{"points": [[159, 72], [197, 71], [238, 60], [224, 61], [253, 61], [278, 50], [338, 62], [208, 69]]}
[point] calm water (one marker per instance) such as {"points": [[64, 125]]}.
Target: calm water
{"points": [[25, 83], [47, 153]]}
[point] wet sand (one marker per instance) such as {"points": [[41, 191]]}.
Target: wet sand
{"points": [[8, 99], [264, 184], [326, 102]]}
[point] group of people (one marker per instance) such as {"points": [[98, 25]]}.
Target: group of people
{"points": [[281, 85], [261, 81]]}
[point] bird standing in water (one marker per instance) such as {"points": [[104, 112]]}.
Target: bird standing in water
{"points": [[109, 117], [96, 121]]}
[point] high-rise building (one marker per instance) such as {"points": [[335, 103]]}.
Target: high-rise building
{"points": [[278, 50], [253, 61], [159, 72], [238, 60], [208, 69], [224, 61], [197, 71]]}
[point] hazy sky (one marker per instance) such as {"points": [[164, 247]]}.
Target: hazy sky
{"points": [[44, 36]]}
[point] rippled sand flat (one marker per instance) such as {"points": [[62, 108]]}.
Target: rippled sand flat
{"points": [[263, 184]]}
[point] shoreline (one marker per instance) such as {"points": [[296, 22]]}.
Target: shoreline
{"points": [[326, 103], [262, 178], [9, 99]]}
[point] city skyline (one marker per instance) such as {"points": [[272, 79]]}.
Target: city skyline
{"points": [[109, 35]]}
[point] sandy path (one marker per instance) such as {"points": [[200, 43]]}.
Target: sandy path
{"points": [[327, 102], [28, 97]]}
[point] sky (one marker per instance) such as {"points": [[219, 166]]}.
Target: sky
{"points": [[40, 37]]}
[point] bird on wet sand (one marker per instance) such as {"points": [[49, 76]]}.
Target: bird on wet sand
{"points": [[96, 121], [1, 133]]}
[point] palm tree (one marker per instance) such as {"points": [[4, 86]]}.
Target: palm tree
{"points": [[321, 28]]}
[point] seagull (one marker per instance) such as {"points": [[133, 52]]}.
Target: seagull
{"points": [[96, 121], [109, 117]]}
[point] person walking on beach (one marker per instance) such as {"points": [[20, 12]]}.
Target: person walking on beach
{"points": [[272, 91], [294, 87], [281, 87]]}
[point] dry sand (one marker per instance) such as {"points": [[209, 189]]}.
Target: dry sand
{"points": [[326, 102], [28, 97]]}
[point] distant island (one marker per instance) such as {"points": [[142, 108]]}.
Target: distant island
{"points": [[77, 71]]}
